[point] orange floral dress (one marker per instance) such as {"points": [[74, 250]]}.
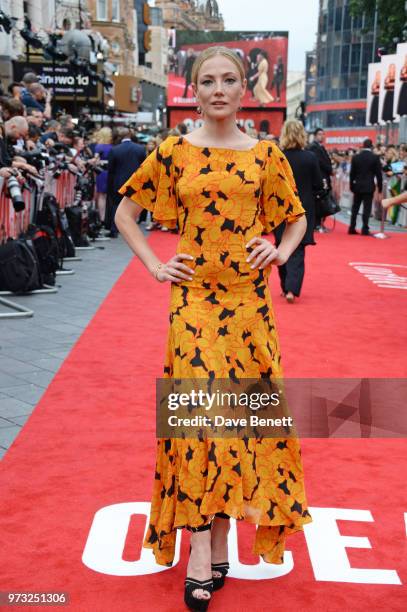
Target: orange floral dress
{"points": [[222, 325]]}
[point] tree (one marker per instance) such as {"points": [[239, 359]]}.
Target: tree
{"points": [[391, 19]]}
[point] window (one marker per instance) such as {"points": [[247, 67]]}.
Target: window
{"points": [[345, 59], [338, 18], [337, 51], [115, 10], [101, 12], [355, 56]]}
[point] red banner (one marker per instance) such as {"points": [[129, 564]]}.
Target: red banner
{"points": [[264, 57], [348, 139]]}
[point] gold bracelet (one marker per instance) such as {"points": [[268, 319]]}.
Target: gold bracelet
{"points": [[156, 270]]}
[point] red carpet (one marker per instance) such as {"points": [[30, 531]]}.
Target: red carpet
{"points": [[89, 447]]}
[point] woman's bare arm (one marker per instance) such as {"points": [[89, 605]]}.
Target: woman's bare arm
{"points": [[266, 253], [399, 199], [292, 236], [125, 218]]}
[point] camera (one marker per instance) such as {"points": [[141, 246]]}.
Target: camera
{"points": [[15, 194], [36, 158], [100, 167]]}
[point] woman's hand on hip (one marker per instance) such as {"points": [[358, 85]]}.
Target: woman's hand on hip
{"points": [[264, 253], [174, 270]]}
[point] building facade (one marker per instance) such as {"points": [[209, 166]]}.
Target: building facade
{"points": [[191, 14], [116, 20], [345, 47]]}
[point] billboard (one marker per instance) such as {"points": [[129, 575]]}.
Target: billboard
{"points": [[264, 55], [310, 77], [373, 92], [386, 96], [60, 76], [400, 86]]}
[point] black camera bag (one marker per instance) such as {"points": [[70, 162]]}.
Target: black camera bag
{"points": [[19, 266], [47, 250]]}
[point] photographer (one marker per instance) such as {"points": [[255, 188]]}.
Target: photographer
{"points": [[36, 96], [35, 117], [50, 135], [15, 129], [10, 107], [33, 141], [15, 89], [9, 174]]}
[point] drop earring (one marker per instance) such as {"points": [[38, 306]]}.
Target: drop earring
{"points": [[198, 110]]}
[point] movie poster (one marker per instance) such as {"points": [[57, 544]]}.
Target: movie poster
{"points": [[264, 55], [400, 87], [310, 77], [386, 96], [373, 93]]}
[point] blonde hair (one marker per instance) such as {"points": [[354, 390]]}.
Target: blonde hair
{"points": [[103, 136], [212, 52], [293, 135]]}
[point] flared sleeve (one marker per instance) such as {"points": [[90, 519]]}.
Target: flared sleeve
{"points": [[279, 196], [152, 185]]}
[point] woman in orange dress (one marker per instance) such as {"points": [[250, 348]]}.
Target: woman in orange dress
{"points": [[224, 190]]}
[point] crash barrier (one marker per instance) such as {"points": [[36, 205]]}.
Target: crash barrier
{"points": [[62, 187], [12, 223], [38, 232]]}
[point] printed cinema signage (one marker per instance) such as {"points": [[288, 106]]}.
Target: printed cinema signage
{"points": [[327, 545], [61, 77]]}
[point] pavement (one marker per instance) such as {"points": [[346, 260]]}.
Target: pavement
{"points": [[33, 349]]}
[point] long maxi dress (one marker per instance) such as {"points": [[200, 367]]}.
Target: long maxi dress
{"points": [[222, 325]]}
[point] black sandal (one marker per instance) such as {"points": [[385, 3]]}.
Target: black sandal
{"points": [[191, 584], [222, 568], [197, 603]]}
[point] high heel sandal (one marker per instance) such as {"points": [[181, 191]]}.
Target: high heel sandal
{"points": [[197, 603], [192, 584], [222, 568]]}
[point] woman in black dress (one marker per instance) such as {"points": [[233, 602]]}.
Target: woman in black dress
{"points": [[308, 178], [387, 112], [374, 106], [402, 101]]}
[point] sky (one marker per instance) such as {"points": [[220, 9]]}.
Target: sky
{"points": [[298, 17]]}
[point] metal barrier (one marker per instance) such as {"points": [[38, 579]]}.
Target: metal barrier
{"points": [[63, 187], [13, 223], [344, 196]]}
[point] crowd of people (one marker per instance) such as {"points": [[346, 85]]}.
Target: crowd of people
{"points": [[388, 155], [28, 128]]}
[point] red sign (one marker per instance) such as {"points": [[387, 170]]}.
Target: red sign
{"points": [[263, 121], [348, 139]]}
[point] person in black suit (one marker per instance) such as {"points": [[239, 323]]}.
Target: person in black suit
{"points": [[308, 179], [325, 166], [123, 160], [365, 166]]}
